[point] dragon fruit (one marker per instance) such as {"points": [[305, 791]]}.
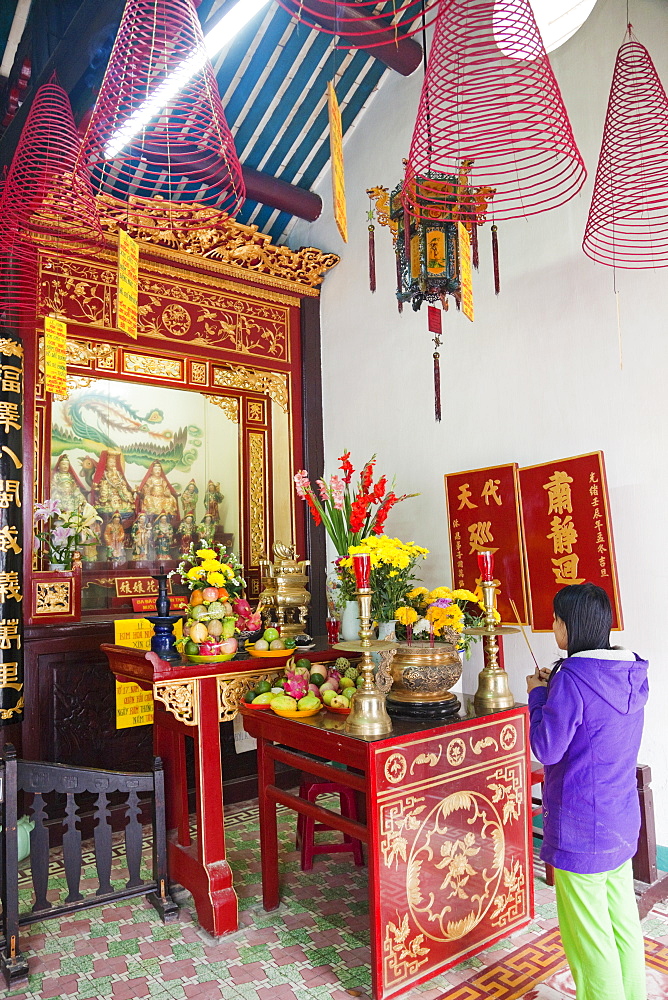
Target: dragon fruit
{"points": [[295, 685]]}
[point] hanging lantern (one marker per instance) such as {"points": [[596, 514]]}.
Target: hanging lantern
{"points": [[628, 218], [158, 126], [489, 96]]}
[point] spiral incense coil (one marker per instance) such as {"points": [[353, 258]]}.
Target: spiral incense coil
{"points": [[628, 218], [158, 127], [489, 96]]}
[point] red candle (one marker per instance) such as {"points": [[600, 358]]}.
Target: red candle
{"points": [[486, 565], [362, 567]]}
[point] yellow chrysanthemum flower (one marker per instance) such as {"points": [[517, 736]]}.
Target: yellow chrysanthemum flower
{"points": [[216, 579], [212, 566], [196, 573], [439, 592], [406, 616], [207, 554], [463, 595], [416, 592]]}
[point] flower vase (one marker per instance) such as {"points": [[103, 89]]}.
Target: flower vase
{"points": [[386, 629], [350, 622], [58, 566]]}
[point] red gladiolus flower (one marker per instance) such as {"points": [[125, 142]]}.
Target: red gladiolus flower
{"points": [[358, 510], [314, 510], [346, 467], [383, 511], [379, 490], [367, 476]]}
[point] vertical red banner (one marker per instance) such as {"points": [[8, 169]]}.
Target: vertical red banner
{"points": [[484, 515], [568, 532]]}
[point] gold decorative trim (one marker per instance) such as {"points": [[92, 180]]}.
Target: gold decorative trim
{"points": [[255, 411], [232, 688], [238, 377], [7, 713], [181, 699], [80, 353], [228, 404], [53, 598], [141, 364], [198, 373], [256, 489]]}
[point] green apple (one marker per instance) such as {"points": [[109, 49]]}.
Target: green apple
{"points": [[328, 696], [270, 634], [347, 683], [359, 682]]}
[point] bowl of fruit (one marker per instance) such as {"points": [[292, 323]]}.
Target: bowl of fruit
{"points": [[208, 631], [308, 687], [261, 695], [272, 646]]}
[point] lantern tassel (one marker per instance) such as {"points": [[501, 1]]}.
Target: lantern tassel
{"points": [[495, 259], [474, 244], [437, 386], [372, 259]]}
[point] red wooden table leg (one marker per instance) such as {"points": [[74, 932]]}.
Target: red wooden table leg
{"points": [[268, 828], [169, 744]]}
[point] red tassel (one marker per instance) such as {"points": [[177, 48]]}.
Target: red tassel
{"points": [[495, 259], [437, 386], [372, 259], [474, 244], [400, 305]]}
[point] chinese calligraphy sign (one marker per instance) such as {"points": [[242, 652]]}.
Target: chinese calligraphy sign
{"points": [[568, 533], [11, 530], [483, 514]]}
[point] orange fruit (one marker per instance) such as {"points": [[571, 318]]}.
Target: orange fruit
{"points": [[222, 594], [196, 598]]}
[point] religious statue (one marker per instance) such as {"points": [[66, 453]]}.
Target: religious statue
{"points": [[66, 487], [114, 536], [206, 531], [142, 534], [187, 533], [189, 499], [163, 537], [90, 542], [111, 488], [212, 498], [157, 494]]}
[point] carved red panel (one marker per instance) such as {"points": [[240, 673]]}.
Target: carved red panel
{"points": [[451, 858]]}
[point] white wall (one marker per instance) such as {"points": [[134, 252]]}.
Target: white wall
{"points": [[536, 377]]}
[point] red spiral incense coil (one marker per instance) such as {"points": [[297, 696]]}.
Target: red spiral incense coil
{"points": [[158, 126], [628, 218], [45, 197], [489, 96], [364, 22]]}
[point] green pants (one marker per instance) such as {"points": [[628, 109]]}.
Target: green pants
{"points": [[600, 929]]}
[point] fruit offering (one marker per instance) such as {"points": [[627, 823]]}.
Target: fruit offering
{"points": [[210, 625]]}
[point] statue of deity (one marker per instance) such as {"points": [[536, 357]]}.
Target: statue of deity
{"points": [[114, 536], [112, 490], [206, 531], [189, 499], [187, 533], [66, 487], [142, 534], [163, 537], [90, 542], [157, 494], [212, 498]]}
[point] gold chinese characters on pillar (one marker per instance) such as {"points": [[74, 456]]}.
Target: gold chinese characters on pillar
{"points": [[11, 530], [568, 532]]}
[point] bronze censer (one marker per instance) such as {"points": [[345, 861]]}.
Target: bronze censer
{"points": [[422, 675], [284, 600]]}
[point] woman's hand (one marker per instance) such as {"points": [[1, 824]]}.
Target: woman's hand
{"points": [[537, 679]]}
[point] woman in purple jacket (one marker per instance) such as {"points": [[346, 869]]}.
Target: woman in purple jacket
{"points": [[586, 726]]}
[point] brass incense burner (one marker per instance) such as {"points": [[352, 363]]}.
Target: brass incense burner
{"points": [[493, 694], [284, 600], [422, 675]]}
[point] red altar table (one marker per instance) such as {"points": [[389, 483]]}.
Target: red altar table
{"points": [[448, 830], [191, 700]]}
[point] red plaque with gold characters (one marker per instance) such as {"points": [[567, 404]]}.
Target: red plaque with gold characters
{"points": [[568, 532], [452, 865], [484, 515]]}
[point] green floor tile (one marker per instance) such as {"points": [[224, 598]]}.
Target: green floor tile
{"points": [[254, 953], [123, 948], [76, 963]]}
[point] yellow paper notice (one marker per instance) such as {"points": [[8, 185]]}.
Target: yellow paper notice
{"points": [[138, 632], [336, 150], [128, 282], [465, 275], [134, 706], [55, 355]]}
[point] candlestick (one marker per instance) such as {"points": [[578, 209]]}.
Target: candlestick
{"points": [[163, 639], [368, 714], [486, 565]]}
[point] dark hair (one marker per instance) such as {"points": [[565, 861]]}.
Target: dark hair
{"points": [[585, 610]]}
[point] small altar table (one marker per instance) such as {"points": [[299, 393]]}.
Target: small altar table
{"points": [[448, 830], [192, 700]]}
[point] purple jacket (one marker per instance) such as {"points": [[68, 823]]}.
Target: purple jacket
{"points": [[587, 733]]}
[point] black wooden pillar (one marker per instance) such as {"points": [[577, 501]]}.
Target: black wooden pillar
{"points": [[314, 454]]}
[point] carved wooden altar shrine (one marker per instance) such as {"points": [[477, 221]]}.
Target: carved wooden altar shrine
{"points": [[228, 320]]}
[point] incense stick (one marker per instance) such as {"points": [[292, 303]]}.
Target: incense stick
{"points": [[512, 604]]}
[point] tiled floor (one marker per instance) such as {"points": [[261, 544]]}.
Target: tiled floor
{"points": [[315, 947]]}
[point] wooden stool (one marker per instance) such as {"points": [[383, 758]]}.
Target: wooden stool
{"points": [[538, 778], [307, 827]]}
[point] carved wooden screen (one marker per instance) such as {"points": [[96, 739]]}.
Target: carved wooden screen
{"points": [[219, 315]]}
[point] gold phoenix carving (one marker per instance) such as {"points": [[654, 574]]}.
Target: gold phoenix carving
{"points": [[180, 698], [232, 689], [238, 377], [139, 364]]}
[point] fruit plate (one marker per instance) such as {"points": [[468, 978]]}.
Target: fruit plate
{"points": [[275, 654], [214, 658], [338, 711], [304, 649], [290, 713], [257, 708]]}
